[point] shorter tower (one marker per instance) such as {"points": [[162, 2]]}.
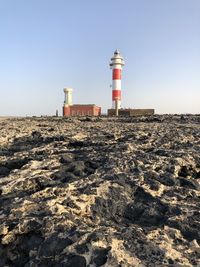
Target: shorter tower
{"points": [[67, 101], [116, 64], [68, 96]]}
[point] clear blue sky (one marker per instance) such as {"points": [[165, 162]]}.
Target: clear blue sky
{"points": [[46, 45]]}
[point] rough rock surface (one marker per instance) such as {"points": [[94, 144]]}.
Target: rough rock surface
{"points": [[97, 192]]}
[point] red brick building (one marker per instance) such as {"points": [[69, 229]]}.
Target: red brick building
{"points": [[81, 110]]}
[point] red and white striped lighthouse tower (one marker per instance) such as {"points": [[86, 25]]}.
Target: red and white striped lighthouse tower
{"points": [[116, 64]]}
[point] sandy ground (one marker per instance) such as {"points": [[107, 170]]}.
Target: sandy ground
{"points": [[100, 192]]}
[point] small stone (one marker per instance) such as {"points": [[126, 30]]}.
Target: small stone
{"points": [[66, 158], [4, 171], [100, 256], [75, 261], [3, 229]]}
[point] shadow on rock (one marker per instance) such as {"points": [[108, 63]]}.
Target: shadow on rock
{"points": [[35, 139], [146, 210], [74, 167]]}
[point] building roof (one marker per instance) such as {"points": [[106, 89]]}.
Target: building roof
{"points": [[79, 105]]}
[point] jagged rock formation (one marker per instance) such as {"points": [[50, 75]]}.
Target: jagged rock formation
{"points": [[100, 192]]}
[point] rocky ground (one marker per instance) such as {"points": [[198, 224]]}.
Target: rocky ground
{"points": [[100, 192]]}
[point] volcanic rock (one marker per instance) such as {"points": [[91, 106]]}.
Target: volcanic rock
{"points": [[92, 192]]}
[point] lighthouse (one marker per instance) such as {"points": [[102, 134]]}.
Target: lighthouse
{"points": [[116, 64]]}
